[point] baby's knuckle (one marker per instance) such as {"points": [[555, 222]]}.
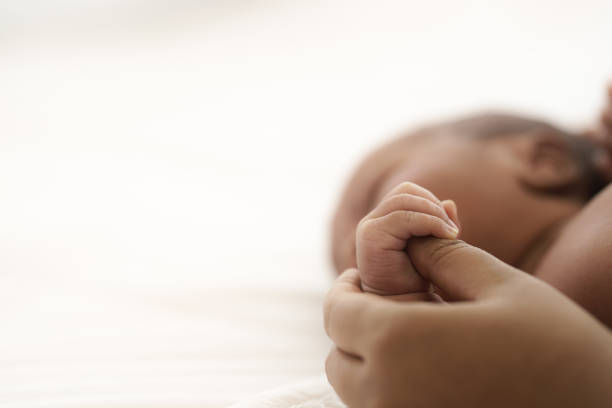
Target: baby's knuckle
{"points": [[405, 186], [407, 216], [366, 230], [363, 224], [398, 200], [408, 201]]}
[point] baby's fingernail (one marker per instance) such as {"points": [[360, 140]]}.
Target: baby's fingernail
{"points": [[453, 209], [452, 231]]}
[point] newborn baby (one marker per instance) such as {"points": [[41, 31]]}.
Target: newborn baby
{"points": [[517, 182]]}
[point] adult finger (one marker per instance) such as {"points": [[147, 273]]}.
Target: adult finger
{"points": [[349, 314], [461, 271], [345, 374]]}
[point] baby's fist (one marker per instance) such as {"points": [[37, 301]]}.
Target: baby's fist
{"points": [[408, 210]]}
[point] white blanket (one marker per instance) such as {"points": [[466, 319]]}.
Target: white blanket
{"points": [[312, 393], [76, 344]]}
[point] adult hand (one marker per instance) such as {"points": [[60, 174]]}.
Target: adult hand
{"points": [[506, 340]]}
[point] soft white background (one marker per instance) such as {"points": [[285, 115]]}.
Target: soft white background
{"points": [[168, 169]]}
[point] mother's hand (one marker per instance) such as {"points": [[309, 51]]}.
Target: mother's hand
{"points": [[509, 339]]}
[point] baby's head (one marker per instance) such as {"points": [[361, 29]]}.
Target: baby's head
{"points": [[513, 179]]}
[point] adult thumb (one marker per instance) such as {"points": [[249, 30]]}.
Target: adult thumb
{"points": [[459, 270]]}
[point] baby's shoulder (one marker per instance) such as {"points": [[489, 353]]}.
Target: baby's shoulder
{"points": [[579, 263]]}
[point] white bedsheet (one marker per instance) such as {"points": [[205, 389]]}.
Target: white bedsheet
{"points": [[312, 393], [79, 344]]}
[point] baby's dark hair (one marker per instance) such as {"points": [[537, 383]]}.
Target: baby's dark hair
{"points": [[488, 125]]}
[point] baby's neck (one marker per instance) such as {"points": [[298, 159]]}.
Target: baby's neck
{"points": [[537, 248]]}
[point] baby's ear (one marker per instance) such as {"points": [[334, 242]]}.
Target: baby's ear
{"points": [[549, 164]]}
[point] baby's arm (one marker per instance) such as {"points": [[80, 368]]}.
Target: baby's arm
{"points": [[579, 263], [407, 211]]}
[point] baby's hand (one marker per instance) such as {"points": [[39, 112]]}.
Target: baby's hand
{"points": [[408, 210]]}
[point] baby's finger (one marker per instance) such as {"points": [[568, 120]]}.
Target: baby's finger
{"points": [[411, 188], [409, 202], [392, 230], [451, 209]]}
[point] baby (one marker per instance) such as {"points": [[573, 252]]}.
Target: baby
{"points": [[518, 183]]}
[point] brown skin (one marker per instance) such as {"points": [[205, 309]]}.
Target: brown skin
{"points": [[406, 212], [554, 237], [579, 263], [602, 135], [511, 341], [488, 179]]}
